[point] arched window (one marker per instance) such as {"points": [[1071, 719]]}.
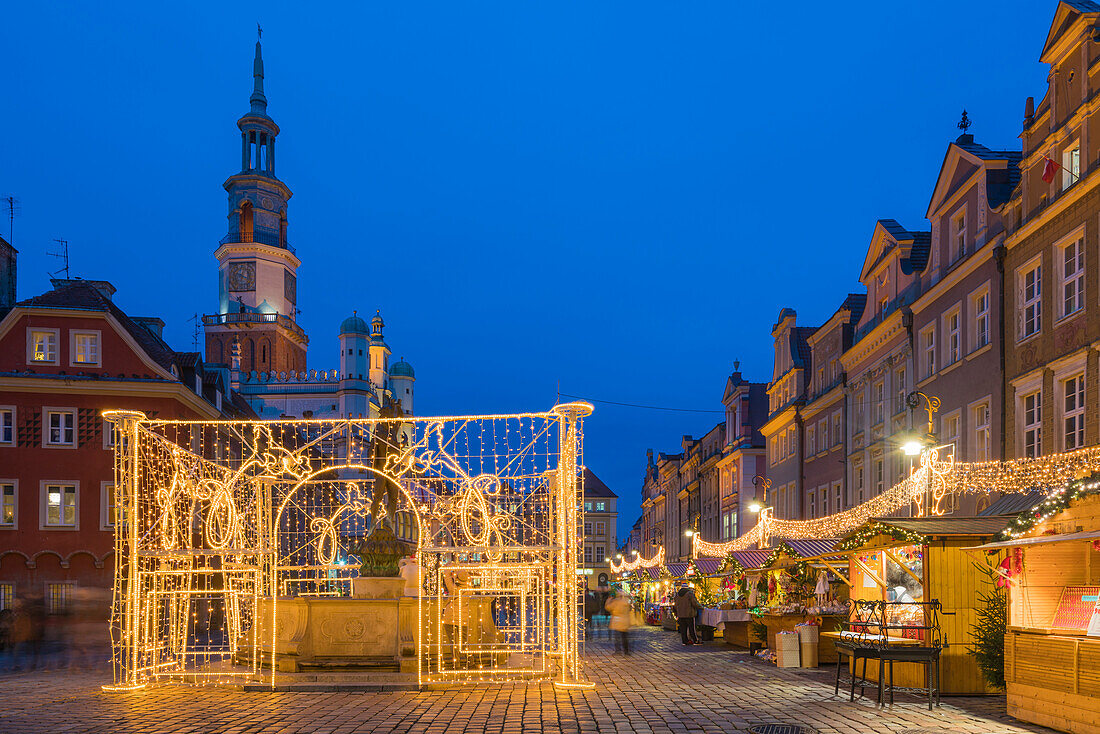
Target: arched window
{"points": [[263, 354], [246, 222]]}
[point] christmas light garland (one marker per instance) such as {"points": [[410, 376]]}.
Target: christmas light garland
{"points": [[1056, 501], [867, 533]]}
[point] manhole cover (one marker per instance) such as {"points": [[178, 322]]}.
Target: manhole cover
{"points": [[780, 729]]}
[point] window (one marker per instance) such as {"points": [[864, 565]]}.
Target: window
{"points": [[928, 352], [813, 504], [587, 529], [979, 307], [883, 306], [951, 327], [1033, 424], [7, 425], [958, 235], [60, 505], [811, 441], [838, 497], [7, 505], [60, 427], [725, 526], [588, 554], [859, 484], [108, 517], [877, 407], [7, 596], [837, 438], [601, 507], [792, 442], [880, 479], [599, 554], [1031, 287], [949, 430], [1071, 164], [601, 529], [84, 347], [59, 597], [823, 434], [899, 390], [782, 446], [1072, 265], [979, 419], [1073, 416], [588, 507], [42, 346], [111, 436]]}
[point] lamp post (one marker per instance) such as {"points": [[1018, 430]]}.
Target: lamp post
{"points": [[916, 445], [760, 506]]}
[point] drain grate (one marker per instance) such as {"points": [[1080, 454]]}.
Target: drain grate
{"points": [[780, 729]]}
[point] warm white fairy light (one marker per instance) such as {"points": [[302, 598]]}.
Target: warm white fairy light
{"points": [[218, 520], [939, 479], [658, 559]]}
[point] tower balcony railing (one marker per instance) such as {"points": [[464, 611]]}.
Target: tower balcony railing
{"points": [[269, 237], [244, 318]]}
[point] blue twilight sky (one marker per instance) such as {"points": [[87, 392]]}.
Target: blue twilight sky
{"points": [[616, 196]]}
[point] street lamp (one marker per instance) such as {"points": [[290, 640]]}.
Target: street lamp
{"points": [[761, 486], [915, 444]]}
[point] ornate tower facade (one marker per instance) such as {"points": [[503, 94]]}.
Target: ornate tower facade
{"points": [[379, 355], [257, 267]]}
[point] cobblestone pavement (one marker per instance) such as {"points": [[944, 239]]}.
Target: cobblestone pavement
{"points": [[662, 687]]}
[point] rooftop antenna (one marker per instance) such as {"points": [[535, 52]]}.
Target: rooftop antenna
{"points": [[13, 209], [63, 256], [198, 330]]}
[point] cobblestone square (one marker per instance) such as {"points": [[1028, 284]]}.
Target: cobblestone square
{"points": [[662, 687]]}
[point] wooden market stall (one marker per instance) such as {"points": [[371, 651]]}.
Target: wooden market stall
{"points": [[1052, 643], [920, 560]]}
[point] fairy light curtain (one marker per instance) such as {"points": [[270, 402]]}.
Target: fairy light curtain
{"points": [[221, 520]]}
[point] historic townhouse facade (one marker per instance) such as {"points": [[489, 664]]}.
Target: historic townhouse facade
{"points": [[879, 365], [956, 319], [1052, 292], [709, 450], [744, 455], [824, 414], [783, 432]]}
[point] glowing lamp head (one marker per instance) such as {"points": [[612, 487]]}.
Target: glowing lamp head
{"points": [[755, 506], [689, 533], [912, 447]]}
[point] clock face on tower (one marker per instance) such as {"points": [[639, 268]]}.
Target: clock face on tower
{"points": [[242, 276]]}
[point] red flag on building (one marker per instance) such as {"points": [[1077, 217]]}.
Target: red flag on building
{"points": [[1049, 170]]}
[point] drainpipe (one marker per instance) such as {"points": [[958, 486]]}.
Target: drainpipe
{"points": [[999, 253]]}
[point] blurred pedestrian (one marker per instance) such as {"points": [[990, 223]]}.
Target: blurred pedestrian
{"points": [[622, 619], [28, 629], [591, 609], [687, 606]]}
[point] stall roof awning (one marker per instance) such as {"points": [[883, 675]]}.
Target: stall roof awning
{"points": [[677, 569], [1038, 540], [808, 548], [947, 525], [751, 558], [708, 566]]}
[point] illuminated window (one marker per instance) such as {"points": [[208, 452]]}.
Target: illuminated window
{"points": [[601, 507], [1030, 293], [1033, 424], [7, 505], [85, 345], [7, 425], [60, 505], [1071, 164], [59, 597], [588, 507], [42, 346], [1072, 267], [1073, 416], [7, 596], [601, 529], [60, 428], [109, 514]]}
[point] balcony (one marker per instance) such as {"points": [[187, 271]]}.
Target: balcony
{"points": [[269, 237], [247, 319]]}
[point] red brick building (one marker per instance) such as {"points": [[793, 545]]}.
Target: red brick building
{"points": [[65, 357]]}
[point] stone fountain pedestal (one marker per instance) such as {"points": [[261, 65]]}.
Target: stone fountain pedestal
{"points": [[374, 629]]}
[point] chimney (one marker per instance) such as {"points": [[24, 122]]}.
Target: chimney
{"points": [[7, 274], [1029, 112], [152, 324], [104, 287]]}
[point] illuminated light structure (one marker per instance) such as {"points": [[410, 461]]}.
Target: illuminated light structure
{"points": [[626, 566], [222, 519], [940, 480]]}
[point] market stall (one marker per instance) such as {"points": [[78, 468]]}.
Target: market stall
{"points": [[1052, 642], [921, 560]]}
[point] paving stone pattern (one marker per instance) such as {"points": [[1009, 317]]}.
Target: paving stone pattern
{"points": [[662, 688]]}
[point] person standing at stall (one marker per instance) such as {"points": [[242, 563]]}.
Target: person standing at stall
{"points": [[687, 606], [622, 619]]}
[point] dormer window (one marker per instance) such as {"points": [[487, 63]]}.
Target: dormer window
{"points": [[883, 305], [958, 235]]}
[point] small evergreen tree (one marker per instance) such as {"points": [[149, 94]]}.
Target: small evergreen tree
{"points": [[988, 631]]}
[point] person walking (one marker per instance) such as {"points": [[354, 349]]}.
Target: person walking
{"points": [[621, 620], [687, 606]]}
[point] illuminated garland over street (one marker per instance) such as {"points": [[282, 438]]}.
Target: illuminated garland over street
{"points": [[657, 560], [941, 479], [868, 533]]}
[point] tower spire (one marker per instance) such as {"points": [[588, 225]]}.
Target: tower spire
{"points": [[258, 100]]}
